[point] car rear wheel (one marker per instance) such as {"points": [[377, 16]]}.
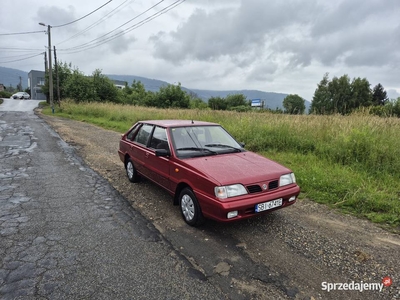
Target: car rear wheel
{"points": [[131, 171], [190, 208]]}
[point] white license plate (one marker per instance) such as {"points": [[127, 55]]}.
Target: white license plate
{"points": [[268, 205]]}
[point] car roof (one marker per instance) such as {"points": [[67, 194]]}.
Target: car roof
{"points": [[178, 123]]}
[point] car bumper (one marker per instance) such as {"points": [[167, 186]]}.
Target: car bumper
{"points": [[245, 205]]}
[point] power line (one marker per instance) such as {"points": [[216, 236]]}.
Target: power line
{"points": [[125, 31], [10, 49], [26, 32], [108, 15], [82, 17], [13, 56], [87, 43], [9, 61]]}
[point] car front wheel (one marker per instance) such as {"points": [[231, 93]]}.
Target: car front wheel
{"points": [[131, 171], [190, 208]]}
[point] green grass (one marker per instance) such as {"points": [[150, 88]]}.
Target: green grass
{"points": [[351, 163]]}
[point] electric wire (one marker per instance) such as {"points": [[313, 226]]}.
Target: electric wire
{"points": [[99, 41], [11, 49], [13, 56], [108, 15], [84, 47], [26, 32], [9, 61], [56, 26], [98, 38]]}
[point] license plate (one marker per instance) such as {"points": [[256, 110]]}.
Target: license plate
{"points": [[268, 205]]}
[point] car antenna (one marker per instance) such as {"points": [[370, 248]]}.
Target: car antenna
{"points": [[192, 122]]}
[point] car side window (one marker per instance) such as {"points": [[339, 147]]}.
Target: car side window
{"points": [[159, 139], [133, 132], [143, 135]]}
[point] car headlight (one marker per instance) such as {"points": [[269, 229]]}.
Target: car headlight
{"points": [[287, 179], [223, 192]]}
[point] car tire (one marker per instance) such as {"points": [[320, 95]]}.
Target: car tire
{"points": [[190, 208], [131, 171]]}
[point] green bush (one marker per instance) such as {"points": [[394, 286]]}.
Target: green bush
{"points": [[5, 94]]}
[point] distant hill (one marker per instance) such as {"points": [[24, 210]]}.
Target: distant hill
{"points": [[149, 84], [9, 76], [271, 100]]}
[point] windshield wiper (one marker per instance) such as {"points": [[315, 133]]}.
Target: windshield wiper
{"points": [[197, 149], [223, 146]]}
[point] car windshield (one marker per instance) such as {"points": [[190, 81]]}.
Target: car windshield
{"points": [[192, 141]]}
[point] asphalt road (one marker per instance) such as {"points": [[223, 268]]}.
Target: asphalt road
{"points": [[65, 233]]}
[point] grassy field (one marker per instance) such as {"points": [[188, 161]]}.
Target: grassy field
{"points": [[351, 163]]}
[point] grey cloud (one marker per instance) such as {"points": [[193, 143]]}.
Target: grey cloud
{"points": [[392, 94], [263, 72], [228, 32], [121, 44], [54, 16], [342, 16]]}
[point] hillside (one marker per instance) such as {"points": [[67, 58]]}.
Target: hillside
{"points": [[271, 100], [9, 76]]}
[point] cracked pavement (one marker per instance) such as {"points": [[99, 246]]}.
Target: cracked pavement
{"points": [[66, 233]]}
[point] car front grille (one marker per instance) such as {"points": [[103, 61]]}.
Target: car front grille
{"points": [[254, 188], [273, 184], [257, 188]]}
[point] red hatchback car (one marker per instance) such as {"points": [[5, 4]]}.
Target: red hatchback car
{"points": [[207, 171]]}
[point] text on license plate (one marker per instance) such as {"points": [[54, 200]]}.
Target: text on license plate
{"points": [[268, 205]]}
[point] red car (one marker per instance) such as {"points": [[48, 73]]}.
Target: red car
{"points": [[209, 174]]}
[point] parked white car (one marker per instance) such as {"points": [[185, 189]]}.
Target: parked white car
{"points": [[21, 95]]}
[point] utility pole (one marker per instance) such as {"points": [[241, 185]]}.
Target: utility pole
{"points": [[50, 72], [45, 62], [50, 69], [58, 80]]}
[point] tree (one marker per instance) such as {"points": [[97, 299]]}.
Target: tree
{"points": [[64, 72], [197, 103], [379, 96], [340, 91], [135, 94], [294, 104], [321, 103], [235, 100], [171, 96], [79, 87], [360, 93], [217, 103], [104, 89]]}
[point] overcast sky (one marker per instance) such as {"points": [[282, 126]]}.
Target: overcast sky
{"points": [[273, 46]]}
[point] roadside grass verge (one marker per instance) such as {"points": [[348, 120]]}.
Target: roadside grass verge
{"points": [[351, 163]]}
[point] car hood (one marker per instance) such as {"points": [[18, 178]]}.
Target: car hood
{"points": [[245, 168]]}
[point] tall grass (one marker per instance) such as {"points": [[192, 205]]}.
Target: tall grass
{"points": [[351, 162]]}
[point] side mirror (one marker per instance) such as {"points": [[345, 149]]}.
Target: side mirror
{"points": [[242, 144], [163, 152]]}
